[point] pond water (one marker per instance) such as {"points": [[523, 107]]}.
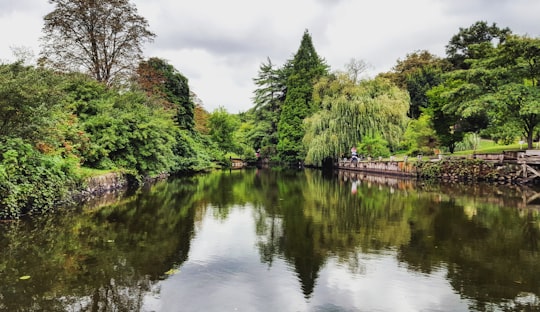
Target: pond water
{"points": [[276, 240]]}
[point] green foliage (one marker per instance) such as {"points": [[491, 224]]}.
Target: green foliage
{"points": [[420, 138], [194, 152], [31, 182], [66, 120], [418, 84], [417, 73], [470, 141], [350, 113], [232, 136], [501, 83], [127, 131], [306, 68], [373, 147], [461, 46], [222, 126], [160, 79], [29, 103], [269, 97]]}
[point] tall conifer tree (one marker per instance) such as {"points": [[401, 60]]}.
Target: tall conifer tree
{"points": [[305, 68]]}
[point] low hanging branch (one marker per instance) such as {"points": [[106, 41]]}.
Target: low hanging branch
{"points": [[351, 112]]}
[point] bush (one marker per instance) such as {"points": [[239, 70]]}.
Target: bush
{"points": [[374, 147], [126, 131], [30, 181]]}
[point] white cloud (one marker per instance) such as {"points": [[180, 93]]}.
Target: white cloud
{"points": [[219, 45]]}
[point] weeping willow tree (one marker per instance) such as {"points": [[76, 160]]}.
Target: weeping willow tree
{"points": [[349, 112]]}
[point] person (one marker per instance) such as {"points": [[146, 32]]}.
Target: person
{"points": [[354, 155]]}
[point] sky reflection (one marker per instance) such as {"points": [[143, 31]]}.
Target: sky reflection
{"points": [[224, 272]]}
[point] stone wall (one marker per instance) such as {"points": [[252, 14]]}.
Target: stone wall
{"points": [[102, 184], [470, 170], [448, 169]]}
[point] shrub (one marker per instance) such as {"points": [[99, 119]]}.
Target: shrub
{"points": [[30, 181]]}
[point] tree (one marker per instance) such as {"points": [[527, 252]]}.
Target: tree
{"points": [[30, 101], [128, 131], [503, 84], [159, 78], [201, 117], [517, 98], [420, 137], [372, 109], [222, 126], [449, 123], [459, 49], [305, 68], [101, 37], [269, 96], [417, 73], [355, 67], [418, 84]]}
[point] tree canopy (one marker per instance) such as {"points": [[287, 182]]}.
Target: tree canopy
{"points": [[101, 37], [305, 68], [161, 79], [351, 113], [458, 49]]}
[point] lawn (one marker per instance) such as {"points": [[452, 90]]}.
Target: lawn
{"points": [[491, 147]]}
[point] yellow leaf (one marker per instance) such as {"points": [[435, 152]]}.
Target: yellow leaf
{"points": [[24, 277], [172, 271]]}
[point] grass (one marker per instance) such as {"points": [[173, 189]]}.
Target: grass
{"points": [[491, 147], [484, 147]]}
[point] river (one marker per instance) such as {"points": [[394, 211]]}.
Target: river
{"points": [[280, 240]]}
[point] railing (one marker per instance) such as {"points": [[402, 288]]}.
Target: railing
{"points": [[380, 166]]}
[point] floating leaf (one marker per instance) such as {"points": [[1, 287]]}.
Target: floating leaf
{"points": [[172, 271], [25, 277], [110, 241]]}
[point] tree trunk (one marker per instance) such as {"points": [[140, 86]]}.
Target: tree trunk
{"points": [[529, 139]]}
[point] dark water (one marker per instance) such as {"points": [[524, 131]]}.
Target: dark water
{"points": [[280, 241]]}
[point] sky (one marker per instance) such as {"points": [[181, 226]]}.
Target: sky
{"points": [[220, 45]]}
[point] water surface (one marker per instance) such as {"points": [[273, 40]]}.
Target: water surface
{"points": [[268, 240]]}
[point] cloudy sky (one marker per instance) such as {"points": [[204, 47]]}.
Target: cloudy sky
{"points": [[219, 45]]}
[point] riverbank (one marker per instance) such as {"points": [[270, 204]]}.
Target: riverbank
{"points": [[504, 169]]}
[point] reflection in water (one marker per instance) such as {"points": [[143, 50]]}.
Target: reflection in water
{"points": [[269, 240]]}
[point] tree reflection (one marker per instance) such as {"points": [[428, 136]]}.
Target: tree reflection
{"points": [[109, 259], [100, 260], [488, 247]]}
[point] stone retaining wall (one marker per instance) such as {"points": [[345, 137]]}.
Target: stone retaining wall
{"points": [[445, 169], [102, 184]]}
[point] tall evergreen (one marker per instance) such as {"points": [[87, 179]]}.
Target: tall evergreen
{"points": [[304, 70], [269, 97]]}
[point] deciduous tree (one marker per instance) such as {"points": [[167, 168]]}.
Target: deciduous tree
{"points": [[101, 37], [459, 49], [30, 101], [350, 113], [417, 73], [504, 84], [159, 78]]}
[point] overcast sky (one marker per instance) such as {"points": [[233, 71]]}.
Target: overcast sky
{"points": [[219, 45]]}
